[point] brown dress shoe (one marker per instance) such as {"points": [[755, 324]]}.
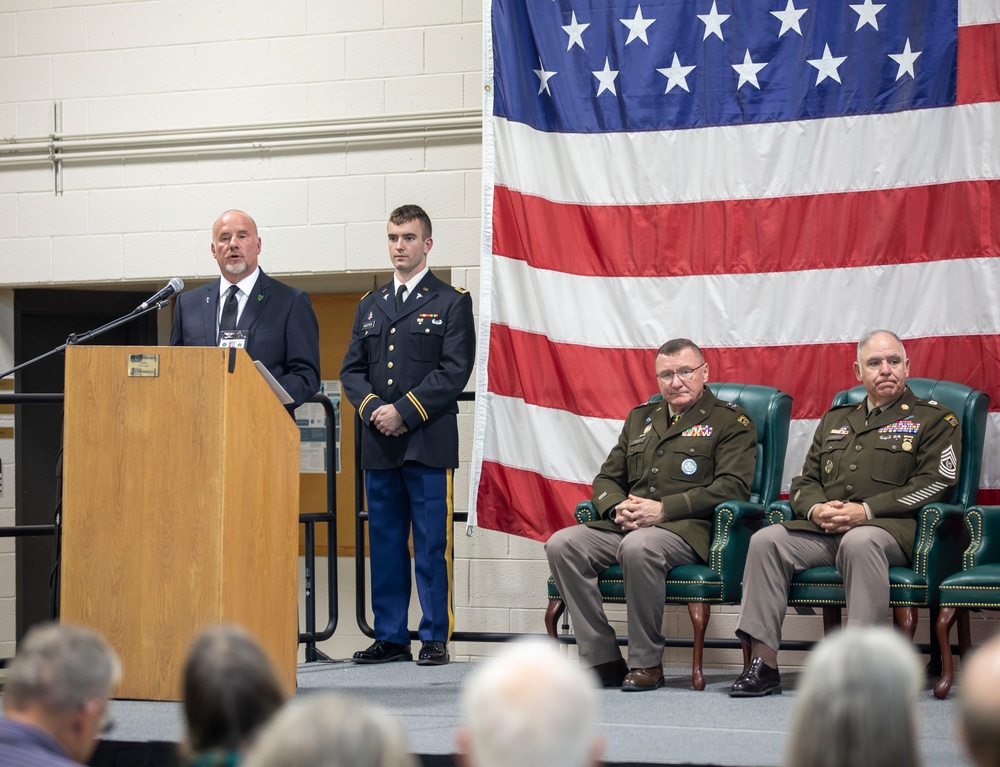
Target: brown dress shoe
{"points": [[611, 674], [642, 679]]}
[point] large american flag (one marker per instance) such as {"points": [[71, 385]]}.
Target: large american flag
{"points": [[770, 178]]}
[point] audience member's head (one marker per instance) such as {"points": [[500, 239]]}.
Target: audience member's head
{"points": [[60, 682], [979, 707], [230, 690], [857, 703], [529, 706], [331, 731]]}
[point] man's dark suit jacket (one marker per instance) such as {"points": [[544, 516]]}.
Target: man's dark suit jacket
{"points": [[281, 327], [418, 359]]}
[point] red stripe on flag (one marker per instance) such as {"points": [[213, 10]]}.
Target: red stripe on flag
{"points": [[503, 490], [575, 378], [782, 234], [988, 497], [978, 64]]}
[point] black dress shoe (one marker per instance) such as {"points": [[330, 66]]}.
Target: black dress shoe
{"points": [[433, 654], [383, 652], [611, 674], [643, 679], [758, 680]]}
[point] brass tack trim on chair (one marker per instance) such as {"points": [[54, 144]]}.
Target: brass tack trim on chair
{"points": [[974, 522], [715, 555], [929, 520]]}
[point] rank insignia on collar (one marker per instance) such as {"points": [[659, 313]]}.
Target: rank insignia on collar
{"points": [[731, 406], [208, 299]]}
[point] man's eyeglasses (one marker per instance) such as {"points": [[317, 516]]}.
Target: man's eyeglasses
{"points": [[684, 373]]}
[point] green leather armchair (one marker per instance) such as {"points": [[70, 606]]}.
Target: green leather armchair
{"points": [[975, 587], [941, 536], [720, 580]]}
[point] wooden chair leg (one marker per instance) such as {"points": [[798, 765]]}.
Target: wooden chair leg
{"points": [[700, 613], [552, 614], [964, 635], [942, 627], [906, 619], [831, 619]]}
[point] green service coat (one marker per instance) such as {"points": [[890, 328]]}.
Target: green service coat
{"points": [[704, 459], [907, 456]]}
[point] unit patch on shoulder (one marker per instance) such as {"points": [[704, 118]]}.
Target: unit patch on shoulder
{"points": [[743, 421], [951, 420]]}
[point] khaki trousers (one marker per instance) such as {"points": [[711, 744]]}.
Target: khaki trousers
{"points": [[578, 554], [863, 556]]}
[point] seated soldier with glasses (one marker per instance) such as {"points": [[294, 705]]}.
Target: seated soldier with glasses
{"points": [[656, 493]]}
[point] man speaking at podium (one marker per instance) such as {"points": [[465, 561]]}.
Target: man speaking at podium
{"points": [[274, 322]]}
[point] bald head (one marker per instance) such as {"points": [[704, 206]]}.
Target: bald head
{"points": [[979, 704]]}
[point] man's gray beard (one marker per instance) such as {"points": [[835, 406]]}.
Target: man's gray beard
{"points": [[237, 268]]}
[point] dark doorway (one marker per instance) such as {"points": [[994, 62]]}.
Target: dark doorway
{"points": [[43, 320]]}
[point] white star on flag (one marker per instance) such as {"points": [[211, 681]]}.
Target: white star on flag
{"points": [[827, 65], [905, 60], [607, 78], [575, 32], [866, 14], [544, 77], [789, 18], [748, 71], [713, 22], [676, 75], [637, 27]]}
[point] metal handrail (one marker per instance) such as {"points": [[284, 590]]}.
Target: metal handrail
{"points": [[310, 636]]}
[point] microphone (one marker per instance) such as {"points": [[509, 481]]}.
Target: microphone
{"points": [[176, 285]]}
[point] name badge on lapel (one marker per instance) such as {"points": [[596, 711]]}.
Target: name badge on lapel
{"points": [[233, 339]]}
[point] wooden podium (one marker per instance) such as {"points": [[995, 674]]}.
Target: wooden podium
{"points": [[180, 507]]}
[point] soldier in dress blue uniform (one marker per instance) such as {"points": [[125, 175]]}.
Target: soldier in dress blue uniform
{"points": [[411, 354]]}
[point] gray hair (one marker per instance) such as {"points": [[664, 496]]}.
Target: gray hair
{"points": [[529, 706], [857, 703], [331, 731], [677, 345], [60, 667], [871, 334]]}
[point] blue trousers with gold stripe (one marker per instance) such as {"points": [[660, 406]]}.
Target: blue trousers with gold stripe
{"points": [[420, 497]]}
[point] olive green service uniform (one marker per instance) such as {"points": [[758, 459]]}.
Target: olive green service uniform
{"points": [[904, 457], [705, 458]]}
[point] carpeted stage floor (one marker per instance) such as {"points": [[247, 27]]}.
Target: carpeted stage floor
{"points": [[674, 725]]}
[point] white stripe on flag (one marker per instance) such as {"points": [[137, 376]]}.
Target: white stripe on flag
{"points": [[740, 310], [841, 154]]}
